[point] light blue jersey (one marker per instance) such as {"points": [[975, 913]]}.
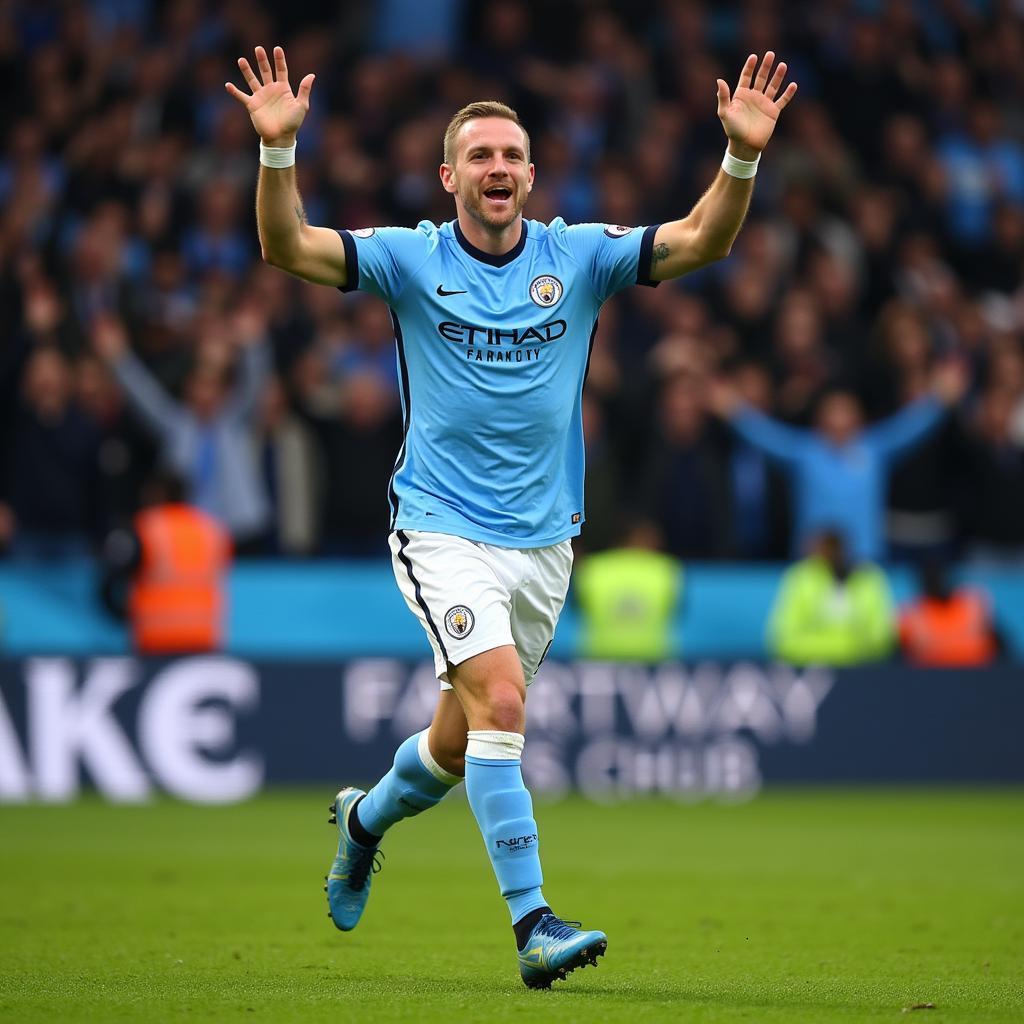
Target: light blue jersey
{"points": [[493, 352]]}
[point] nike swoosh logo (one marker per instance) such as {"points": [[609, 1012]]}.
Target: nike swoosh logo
{"points": [[442, 292]]}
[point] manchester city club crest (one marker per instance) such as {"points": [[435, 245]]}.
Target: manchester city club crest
{"points": [[616, 230], [364, 232], [459, 622], [546, 290]]}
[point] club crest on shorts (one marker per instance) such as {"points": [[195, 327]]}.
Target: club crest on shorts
{"points": [[459, 622], [617, 230], [364, 232], [545, 290]]}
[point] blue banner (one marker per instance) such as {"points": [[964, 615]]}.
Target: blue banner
{"points": [[217, 728]]}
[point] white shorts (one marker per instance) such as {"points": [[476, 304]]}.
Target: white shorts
{"points": [[472, 597]]}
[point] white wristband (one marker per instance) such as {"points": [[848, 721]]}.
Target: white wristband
{"points": [[274, 156], [740, 168]]}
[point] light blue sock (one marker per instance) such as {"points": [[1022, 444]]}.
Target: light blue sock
{"points": [[415, 783], [504, 813]]}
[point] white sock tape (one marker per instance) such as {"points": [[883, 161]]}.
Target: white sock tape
{"points": [[431, 765], [740, 168], [277, 156], [495, 746]]}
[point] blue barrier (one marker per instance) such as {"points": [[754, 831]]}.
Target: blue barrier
{"points": [[217, 729], [333, 609]]}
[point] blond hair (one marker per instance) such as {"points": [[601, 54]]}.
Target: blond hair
{"points": [[472, 111]]}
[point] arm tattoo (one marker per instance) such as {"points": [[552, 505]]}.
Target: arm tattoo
{"points": [[301, 214], [661, 252]]}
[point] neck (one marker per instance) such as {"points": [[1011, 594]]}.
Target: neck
{"points": [[493, 241]]}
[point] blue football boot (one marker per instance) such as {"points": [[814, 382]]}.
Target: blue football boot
{"points": [[555, 949], [348, 884]]}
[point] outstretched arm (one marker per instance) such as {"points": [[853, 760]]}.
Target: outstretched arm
{"points": [[250, 336], [911, 424], [775, 439], [151, 402], [748, 116], [779, 440], [314, 254]]}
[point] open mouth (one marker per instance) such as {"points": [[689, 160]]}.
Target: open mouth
{"points": [[498, 194]]}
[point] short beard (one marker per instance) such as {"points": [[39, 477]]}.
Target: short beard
{"points": [[477, 212]]}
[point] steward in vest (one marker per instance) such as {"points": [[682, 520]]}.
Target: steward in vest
{"points": [[946, 627], [628, 597], [167, 574], [828, 612]]}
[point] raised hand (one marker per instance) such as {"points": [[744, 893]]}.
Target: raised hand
{"points": [[722, 397], [275, 112], [109, 338], [950, 381], [749, 114]]}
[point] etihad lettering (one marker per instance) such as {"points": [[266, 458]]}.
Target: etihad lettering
{"points": [[467, 334]]}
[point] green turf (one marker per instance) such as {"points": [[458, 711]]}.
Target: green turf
{"points": [[803, 906]]}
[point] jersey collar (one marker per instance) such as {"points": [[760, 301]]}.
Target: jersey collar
{"points": [[486, 257]]}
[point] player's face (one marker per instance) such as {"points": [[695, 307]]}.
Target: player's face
{"points": [[491, 177]]}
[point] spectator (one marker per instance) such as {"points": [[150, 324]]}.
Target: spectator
{"points": [[947, 627], [97, 284], [291, 473], [217, 243], [759, 498], [801, 362], [370, 348], [629, 596], [167, 573], [359, 428], [829, 611], [920, 515], [126, 452], [992, 488], [839, 468], [207, 439], [50, 511], [982, 168], [686, 484]]}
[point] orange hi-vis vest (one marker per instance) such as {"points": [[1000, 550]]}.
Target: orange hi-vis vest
{"points": [[177, 600], [949, 633]]}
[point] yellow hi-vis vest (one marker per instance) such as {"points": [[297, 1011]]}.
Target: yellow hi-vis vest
{"points": [[628, 597], [818, 620]]}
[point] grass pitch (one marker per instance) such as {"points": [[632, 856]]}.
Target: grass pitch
{"points": [[799, 906]]}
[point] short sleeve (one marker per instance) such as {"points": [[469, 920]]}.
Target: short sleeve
{"points": [[612, 256], [381, 260]]}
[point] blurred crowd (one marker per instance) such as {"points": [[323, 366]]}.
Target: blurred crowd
{"points": [[872, 306]]}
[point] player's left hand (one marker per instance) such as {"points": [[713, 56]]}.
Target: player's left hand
{"points": [[749, 114]]}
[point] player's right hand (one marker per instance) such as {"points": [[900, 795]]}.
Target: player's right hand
{"points": [[275, 112]]}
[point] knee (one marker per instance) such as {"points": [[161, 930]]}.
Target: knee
{"points": [[503, 708]]}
